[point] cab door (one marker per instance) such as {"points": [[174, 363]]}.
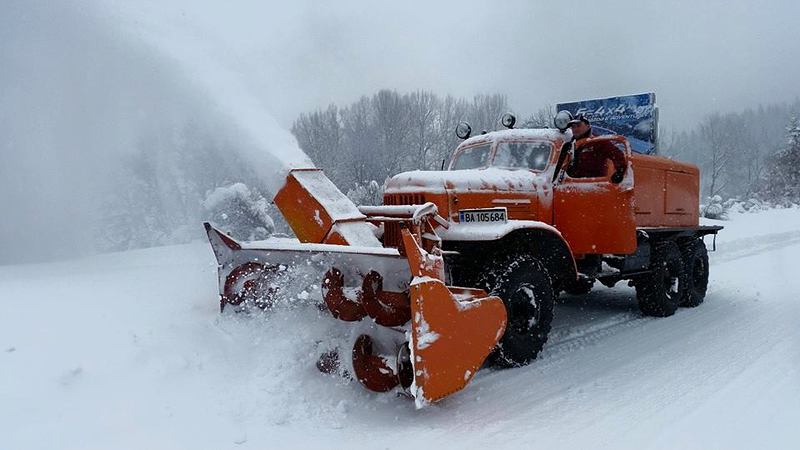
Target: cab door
{"points": [[593, 214]]}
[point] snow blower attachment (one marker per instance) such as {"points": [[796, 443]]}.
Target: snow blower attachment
{"points": [[446, 332]]}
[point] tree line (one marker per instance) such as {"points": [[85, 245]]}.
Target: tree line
{"points": [[739, 152], [387, 133], [189, 173], [379, 136]]}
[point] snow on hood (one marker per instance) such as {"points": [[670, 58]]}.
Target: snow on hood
{"points": [[486, 179]]}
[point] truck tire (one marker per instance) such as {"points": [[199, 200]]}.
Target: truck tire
{"points": [[527, 292], [660, 291], [695, 260]]}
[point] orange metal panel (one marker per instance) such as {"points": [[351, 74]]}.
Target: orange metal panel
{"points": [[450, 339], [595, 216], [319, 212], [683, 191], [666, 192], [299, 209], [648, 195]]}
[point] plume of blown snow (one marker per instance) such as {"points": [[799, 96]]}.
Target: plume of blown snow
{"points": [[85, 84], [204, 62]]}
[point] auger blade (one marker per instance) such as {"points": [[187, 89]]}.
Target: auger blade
{"points": [[259, 270], [372, 370], [389, 309]]}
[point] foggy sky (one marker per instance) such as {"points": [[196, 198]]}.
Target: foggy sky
{"points": [[698, 56], [82, 82]]}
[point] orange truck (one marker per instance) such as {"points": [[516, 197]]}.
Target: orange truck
{"points": [[461, 267]]}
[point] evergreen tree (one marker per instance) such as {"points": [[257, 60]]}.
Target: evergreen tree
{"points": [[783, 172]]}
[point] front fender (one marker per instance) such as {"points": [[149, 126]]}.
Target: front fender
{"points": [[515, 236]]}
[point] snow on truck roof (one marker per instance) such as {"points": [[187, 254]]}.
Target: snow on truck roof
{"points": [[516, 133], [483, 179]]}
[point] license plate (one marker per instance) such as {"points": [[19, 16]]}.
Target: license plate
{"points": [[492, 215]]}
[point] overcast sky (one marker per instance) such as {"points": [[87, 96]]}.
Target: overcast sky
{"points": [[698, 56], [82, 82]]}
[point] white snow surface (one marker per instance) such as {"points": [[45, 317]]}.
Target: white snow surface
{"points": [[518, 133], [487, 179], [129, 350]]}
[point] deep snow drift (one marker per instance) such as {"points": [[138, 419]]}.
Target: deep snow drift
{"points": [[128, 350]]}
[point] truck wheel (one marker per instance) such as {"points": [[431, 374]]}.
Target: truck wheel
{"points": [[695, 259], [660, 291], [527, 293]]}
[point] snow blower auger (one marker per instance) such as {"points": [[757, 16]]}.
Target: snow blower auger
{"points": [[447, 332]]}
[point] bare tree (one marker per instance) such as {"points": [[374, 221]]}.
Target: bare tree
{"points": [[360, 140], [451, 111], [712, 132], [486, 110], [542, 118], [423, 110], [391, 121]]}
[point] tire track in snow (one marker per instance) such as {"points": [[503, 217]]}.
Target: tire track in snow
{"points": [[751, 246], [584, 337]]}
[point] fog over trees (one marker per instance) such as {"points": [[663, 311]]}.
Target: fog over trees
{"points": [[746, 155], [389, 132]]}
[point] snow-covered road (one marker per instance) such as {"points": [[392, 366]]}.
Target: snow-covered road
{"points": [[128, 351]]}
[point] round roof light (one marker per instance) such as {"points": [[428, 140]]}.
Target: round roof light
{"points": [[562, 120], [463, 130], [508, 120]]}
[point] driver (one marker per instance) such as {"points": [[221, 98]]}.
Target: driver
{"points": [[590, 159]]}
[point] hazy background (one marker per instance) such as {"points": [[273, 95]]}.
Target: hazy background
{"points": [[697, 56], [115, 116]]}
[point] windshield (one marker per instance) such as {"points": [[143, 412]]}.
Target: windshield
{"points": [[523, 155], [472, 158]]}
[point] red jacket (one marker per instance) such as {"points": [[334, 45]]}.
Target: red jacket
{"points": [[590, 160]]}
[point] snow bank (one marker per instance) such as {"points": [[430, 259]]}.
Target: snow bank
{"points": [[128, 350]]}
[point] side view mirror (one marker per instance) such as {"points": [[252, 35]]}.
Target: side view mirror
{"points": [[562, 120]]}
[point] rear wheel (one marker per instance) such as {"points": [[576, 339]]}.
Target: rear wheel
{"points": [[660, 291], [695, 258], [527, 292]]}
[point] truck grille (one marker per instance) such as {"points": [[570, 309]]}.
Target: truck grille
{"points": [[391, 230]]}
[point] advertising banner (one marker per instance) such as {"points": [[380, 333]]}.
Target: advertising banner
{"points": [[633, 116]]}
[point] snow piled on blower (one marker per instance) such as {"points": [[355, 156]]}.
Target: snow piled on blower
{"points": [[128, 350]]}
